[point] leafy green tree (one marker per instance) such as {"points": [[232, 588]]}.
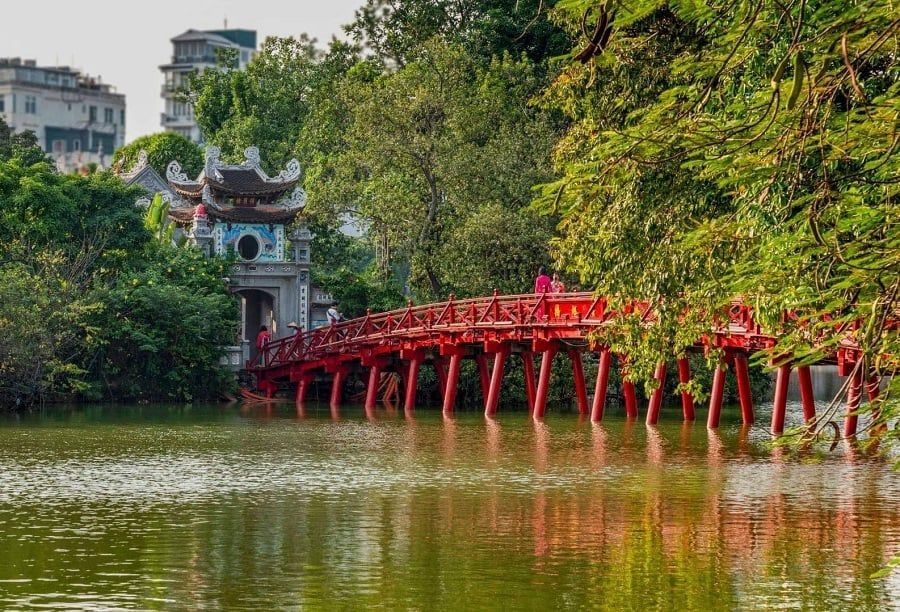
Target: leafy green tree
{"points": [[90, 305], [161, 149], [21, 145], [267, 104], [427, 146], [735, 151], [396, 30]]}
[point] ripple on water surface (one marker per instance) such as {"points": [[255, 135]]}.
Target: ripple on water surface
{"points": [[217, 507]]}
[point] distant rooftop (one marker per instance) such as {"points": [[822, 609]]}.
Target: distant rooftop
{"points": [[242, 38], [28, 72]]}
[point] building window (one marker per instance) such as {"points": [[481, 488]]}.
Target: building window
{"points": [[30, 105], [59, 146], [2, 104], [76, 145], [121, 117], [92, 114], [109, 115], [248, 247]]}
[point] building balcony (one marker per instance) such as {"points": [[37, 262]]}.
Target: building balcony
{"points": [[168, 120]]}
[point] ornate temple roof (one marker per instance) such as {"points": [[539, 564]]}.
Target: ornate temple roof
{"points": [[240, 193]]}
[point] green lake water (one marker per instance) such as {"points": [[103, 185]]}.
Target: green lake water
{"points": [[229, 507]]}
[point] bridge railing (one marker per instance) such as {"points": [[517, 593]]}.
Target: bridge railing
{"points": [[496, 312], [493, 311]]}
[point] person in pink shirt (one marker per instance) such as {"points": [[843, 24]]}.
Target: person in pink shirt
{"points": [[543, 284], [557, 286]]}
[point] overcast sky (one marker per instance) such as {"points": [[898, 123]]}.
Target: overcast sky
{"points": [[126, 41]]}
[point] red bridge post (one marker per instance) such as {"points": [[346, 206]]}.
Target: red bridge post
{"points": [[806, 394], [628, 391], [601, 386], [493, 398], [687, 400], [742, 373], [854, 395], [302, 388], [578, 377], [657, 396], [779, 406], [715, 396], [440, 369], [415, 358], [543, 388], [456, 355], [337, 386], [528, 374], [483, 377]]}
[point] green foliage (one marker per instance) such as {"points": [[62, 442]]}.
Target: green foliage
{"points": [[90, 304], [20, 145], [424, 148], [734, 151], [161, 149], [396, 30], [267, 104]]}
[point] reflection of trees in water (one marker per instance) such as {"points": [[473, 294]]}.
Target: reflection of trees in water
{"points": [[681, 520]]}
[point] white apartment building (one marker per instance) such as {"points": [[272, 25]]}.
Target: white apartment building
{"points": [[192, 52], [77, 119]]}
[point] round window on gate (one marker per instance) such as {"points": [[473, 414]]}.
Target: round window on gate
{"points": [[248, 247]]}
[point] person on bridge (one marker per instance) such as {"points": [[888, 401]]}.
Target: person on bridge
{"points": [[543, 283], [333, 315], [556, 285], [262, 341]]}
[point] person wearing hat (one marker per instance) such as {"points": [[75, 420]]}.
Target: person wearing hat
{"points": [[293, 325]]}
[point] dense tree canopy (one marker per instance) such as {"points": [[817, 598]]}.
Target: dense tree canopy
{"points": [[428, 147], [735, 151], [90, 305], [161, 149]]}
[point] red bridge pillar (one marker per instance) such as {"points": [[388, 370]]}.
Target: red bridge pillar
{"points": [[549, 350], [602, 384], [528, 373], [578, 377], [806, 393], [339, 373], [779, 406], [742, 373], [415, 358], [657, 396], [854, 395], [501, 352], [456, 355], [715, 396], [483, 377], [687, 400], [628, 391]]}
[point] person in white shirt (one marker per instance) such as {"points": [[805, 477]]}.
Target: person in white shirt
{"points": [[333, 315]]}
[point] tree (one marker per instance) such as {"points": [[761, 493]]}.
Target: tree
{"points": [[21, 145], [267, 104], [395, 31], [90, 305], [425, 147], [733, 151], [161, 149]]}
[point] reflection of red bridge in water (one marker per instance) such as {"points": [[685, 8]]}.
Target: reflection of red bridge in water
{"points": [[494, 328]]}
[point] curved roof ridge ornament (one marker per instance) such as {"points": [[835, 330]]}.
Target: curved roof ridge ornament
{"points": [[213, 163], [143, 161], [291, 172], [174, 172], [295, 201], [251, 157]]}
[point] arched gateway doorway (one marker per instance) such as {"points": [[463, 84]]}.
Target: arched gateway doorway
{"points": [[257, 309]]}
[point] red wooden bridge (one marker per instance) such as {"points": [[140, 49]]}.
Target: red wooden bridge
{"points": [[490, 330]]}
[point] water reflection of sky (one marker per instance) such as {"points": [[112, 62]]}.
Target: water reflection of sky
{"points": [[151, 507]]}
